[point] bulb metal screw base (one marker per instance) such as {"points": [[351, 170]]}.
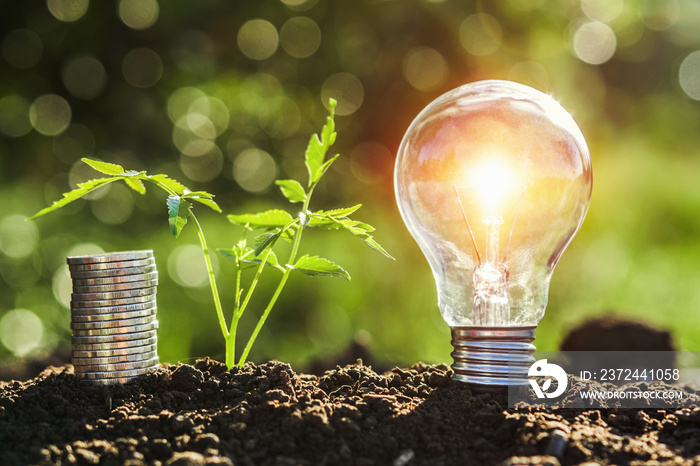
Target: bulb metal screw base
{"points": [[491, 357]]}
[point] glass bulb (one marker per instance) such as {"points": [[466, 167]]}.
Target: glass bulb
{"points": [[493, 179]]}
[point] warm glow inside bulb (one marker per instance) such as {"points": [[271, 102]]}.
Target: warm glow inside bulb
{"points": [[492, 181]]}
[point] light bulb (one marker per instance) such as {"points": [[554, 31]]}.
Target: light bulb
{"points": [[493, 179]]}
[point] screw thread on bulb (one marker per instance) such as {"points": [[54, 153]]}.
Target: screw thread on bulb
{"points": [[492, 356]]}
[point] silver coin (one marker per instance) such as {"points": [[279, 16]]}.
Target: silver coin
{"points": [[115, 331], [112, 316], [107, 382], [112, 309], [96, 339], [112, 295], [115, 287], [113, 353], [115, 374], [114, 359], [111, 273], [120, 347], [111, 265], [106, 374], [93, 281], [114, 280], [84, 305], [110, 257], [113, 381], [120, 366], [112, 324]]}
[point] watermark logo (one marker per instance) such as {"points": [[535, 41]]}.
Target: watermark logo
{"points": [[542, 368]]}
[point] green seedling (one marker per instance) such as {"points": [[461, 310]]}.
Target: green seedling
{"points": [[278, 224], [272, 225]]}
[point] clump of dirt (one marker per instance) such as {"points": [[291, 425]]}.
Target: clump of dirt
{"points": [[613, 333], [269, 415]]}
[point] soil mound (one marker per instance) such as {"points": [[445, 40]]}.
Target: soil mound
{"points": [[613, 333], [269, 415]]}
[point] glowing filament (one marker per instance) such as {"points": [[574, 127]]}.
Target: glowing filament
{"points": [[492, 181]]}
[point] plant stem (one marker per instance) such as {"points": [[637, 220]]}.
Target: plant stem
{"points": [[240, 308], [214, 289], [263, 318], [239, 312], [235, 317], [280, 286], [230, 350], [238, 286], [230, 358]]}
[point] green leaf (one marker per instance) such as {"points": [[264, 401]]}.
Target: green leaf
{"points": [[207, 202], [203, 197], [328, 131], [365, 226], [246, 259], [289, 232], [178, 211], [331, 219], [230, 253], [314, 156], [370, 241], [362, 230], [271, 262], [271, 259], [77, 193], [135, 184], [274, 218], [233, 253], [329, 222], [266, 240], [353, 226], [292, 190], [200, 194], [314, 265], [104, 167], [324, 221], [318, 147], [175, 186], [342, 212], [358, 228], [323, 168]]}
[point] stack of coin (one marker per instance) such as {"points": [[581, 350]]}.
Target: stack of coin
{"points": [[113, 315]]}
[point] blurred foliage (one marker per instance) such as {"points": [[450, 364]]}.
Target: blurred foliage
{"points": [[224, 96]]}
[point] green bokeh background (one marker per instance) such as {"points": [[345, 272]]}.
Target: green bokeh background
{"points": [[223, 95]]}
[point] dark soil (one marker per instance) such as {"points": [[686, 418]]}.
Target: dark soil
{"points": [[269, 415], [613, 333]]}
